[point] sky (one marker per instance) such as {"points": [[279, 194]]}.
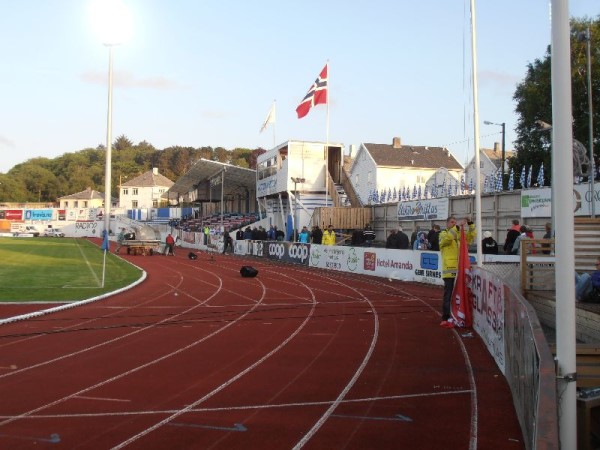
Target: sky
{"points": [[205, 73]]}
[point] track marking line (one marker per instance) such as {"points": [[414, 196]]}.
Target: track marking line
{"points": [[236, 426], [104, 399]]}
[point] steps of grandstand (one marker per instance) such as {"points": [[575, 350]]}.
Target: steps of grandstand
{"points": [[342, 196]]}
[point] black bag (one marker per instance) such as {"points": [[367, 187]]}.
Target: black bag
{"points": [[192, 256]]}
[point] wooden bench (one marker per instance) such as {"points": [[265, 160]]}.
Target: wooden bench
{"points": [[588, 376]]}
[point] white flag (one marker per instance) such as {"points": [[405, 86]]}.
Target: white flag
{"points": [[270, 118]]}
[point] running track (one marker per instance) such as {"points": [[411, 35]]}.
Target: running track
{"points": [[197, 357]]}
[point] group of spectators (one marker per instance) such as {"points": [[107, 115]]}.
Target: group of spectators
{"points": [[514, 235]]}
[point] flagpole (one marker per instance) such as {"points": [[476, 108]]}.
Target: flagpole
{"points": [[476, 131], [327, 140], [274, 121]]}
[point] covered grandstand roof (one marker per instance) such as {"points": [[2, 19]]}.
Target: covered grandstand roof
{"points": [[237, 179]]}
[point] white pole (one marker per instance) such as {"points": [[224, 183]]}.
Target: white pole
{"points": [[591, 123], [107, 169], [476, 131], [327, 140], [562, 162]]}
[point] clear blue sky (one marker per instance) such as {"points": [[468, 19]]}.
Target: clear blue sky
{"points": [[198, 73]]}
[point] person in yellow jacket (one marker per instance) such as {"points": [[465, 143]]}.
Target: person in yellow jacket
{"points": [[329, 236], [449, 242]]}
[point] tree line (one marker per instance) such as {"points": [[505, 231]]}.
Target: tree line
{"points": [[45, 179]]}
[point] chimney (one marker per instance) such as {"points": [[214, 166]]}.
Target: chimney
{"points": [[155, 170], [351, 151], [496, 147], [397, 142]]}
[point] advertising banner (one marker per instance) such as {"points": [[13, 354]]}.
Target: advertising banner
{"points": [[38, 214], [488, 312], [432, 209], [13, 214], [538, 202], [292, 252]]}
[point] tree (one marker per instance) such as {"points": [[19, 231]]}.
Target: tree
{"points": [[534, 100]]}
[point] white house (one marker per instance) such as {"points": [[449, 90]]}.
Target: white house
{"points": [[379, 167], [144, 191], [490, 161], [89, 198]]}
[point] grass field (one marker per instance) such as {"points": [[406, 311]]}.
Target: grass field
{"points": [[58, 269]]}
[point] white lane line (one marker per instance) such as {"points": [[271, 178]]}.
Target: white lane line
{"points": [[102, 399]]}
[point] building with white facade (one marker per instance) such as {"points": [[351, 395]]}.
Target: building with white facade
{"points": [[490, 162], [389, 167], [89, 198], [144, 191]]}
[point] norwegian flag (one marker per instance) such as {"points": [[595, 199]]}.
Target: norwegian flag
{"points": [[317, 94]]}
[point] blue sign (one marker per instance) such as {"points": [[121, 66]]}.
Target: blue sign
{"points": [[38, 214], [430, 260]]}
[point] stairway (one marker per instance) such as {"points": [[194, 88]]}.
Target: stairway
{"points": [[342, 196], [587, 243]]}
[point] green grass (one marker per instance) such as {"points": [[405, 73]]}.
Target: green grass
{"points": [[58, 269]]}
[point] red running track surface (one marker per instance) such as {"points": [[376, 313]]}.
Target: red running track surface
{"points": [[198, 357]]}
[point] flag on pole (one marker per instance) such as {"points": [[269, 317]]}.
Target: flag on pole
{"points": [[270, 118], [540, 178], [461, 308], [529, 175], [414, 193], [499, 181], [522, 178], [375, 196], [511, 180], [426, 192], [485, 185], [395, 194], [419, 193], [317, 94], [471, 185], [105, 244], [382, 196]]}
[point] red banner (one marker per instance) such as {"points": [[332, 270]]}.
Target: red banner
{"points": [[462, 296]]}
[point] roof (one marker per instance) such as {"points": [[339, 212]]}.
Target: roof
{"points": [[236, 178], [149, 179], [88, 194], [495, 156], [412, 156]]}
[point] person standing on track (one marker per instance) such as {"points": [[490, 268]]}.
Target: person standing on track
{"points": [[449, 242], [170, 245], [120, 239]]}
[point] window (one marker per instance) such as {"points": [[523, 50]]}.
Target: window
{"points": [[134, 204], [85, 204], [134, 191], [76, 204], [155, 203], [66, 204], [125, 191]]}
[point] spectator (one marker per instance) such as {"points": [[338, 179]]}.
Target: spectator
{"points": [[272, 234], [516, 248], [329, 236], [392, 240], [248, 233], [511, 235], [449, 244], [586, 285], [421, 243], [402, 238], [227, 241], [280, 235], [304, 237], [316, 235], [239, 234], [547, 235], [358, 238], [413, 236], [434, 238], [120, 239], [488, 244], [369, 235]]}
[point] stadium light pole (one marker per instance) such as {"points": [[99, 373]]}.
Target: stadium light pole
{"points": [[112, 23], [503, 125]]}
